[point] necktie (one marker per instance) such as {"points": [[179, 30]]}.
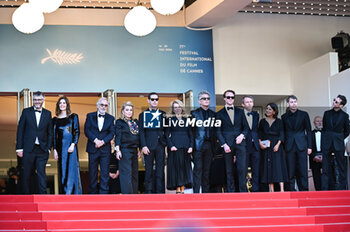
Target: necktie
{"points": [[249, 113]]}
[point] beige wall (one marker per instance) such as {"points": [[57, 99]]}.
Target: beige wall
{"points": [[310, 82], [255, 53]]}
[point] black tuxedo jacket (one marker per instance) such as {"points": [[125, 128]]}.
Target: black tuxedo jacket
{"points": [[298, 131], [92, 132], [228, 132], [334, 132], [253, 134], [27, 130], [199, 132], [149, 137]]}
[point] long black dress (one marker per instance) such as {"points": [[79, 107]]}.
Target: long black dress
{"points": [[66, 132], [274, 168], [179, 171]]}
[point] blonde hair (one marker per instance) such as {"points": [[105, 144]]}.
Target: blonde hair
{"points": [[125, 104], [180, 104]]}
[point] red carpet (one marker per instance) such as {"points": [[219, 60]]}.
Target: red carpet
{"points": [[265, 212]]}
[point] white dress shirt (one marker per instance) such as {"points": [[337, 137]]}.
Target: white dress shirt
{"points": [[37, 117], [100, 121]]}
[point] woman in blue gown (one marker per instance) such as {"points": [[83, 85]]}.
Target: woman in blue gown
{"points": [[66, 135]]}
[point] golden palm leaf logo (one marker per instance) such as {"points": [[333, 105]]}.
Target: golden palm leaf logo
{"points": [[63, 57]]}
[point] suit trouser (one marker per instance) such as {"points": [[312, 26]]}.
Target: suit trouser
{"points": [[201, 170], [157, 155], [253, 160], [339, 163], [316, 174], [128, 171], [297, 169], [239, 150], [102, 159], [36, 159]]}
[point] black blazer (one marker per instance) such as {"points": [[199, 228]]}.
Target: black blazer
{"points": [[123, 136], [199, 132], [228, 132], [27, 130], [335, 132], [178, 136], [298, 131], [253, 133], [149, 137], [92, 132]]}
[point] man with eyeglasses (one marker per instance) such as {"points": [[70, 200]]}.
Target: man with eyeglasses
{"points": [[204, 141], [99, 129], [152, 141], [335, 129], [34, 142], [232, 133]]}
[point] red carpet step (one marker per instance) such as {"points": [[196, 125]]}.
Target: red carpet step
{"points": [[325, 211]]}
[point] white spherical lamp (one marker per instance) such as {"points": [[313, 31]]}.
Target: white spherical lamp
{"points": [[140, 21], [27, 19], [46, 6], [167, 7]]}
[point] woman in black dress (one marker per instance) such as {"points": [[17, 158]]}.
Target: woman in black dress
{"points": [[66, 135], [271, 136], [126, 146], [180, 142]]}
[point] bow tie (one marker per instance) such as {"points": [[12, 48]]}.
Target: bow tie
{"points": [[318, 130], [39, 111], [249, 113], [229, 108], [101, 115]]}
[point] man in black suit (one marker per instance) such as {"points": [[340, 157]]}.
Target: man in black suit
{"points": [[204, 143], [232, 133], [297, 130], [315, 158], [335, 129], [153, 142], [252, 140], [99, 129], [34, 142]]}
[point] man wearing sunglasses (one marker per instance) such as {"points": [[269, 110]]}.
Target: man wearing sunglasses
{"points": [[152, 141], [204, 140], [99, 129], [232, 133], [335, 129]]}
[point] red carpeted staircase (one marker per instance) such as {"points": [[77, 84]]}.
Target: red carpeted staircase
{"points": [[266, 212]]}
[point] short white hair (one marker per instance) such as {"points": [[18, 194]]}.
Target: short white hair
{"points": [[99, 101]]}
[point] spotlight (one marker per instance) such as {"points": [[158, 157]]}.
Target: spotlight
{"points": [[340, 43]]}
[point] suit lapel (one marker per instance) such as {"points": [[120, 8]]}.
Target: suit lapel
{"points": [[33, 117], [297, 119], [255, 119], [336, 122], [227, 117], [42, 116], [289, 120], [104, 122], [95, 120]]}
